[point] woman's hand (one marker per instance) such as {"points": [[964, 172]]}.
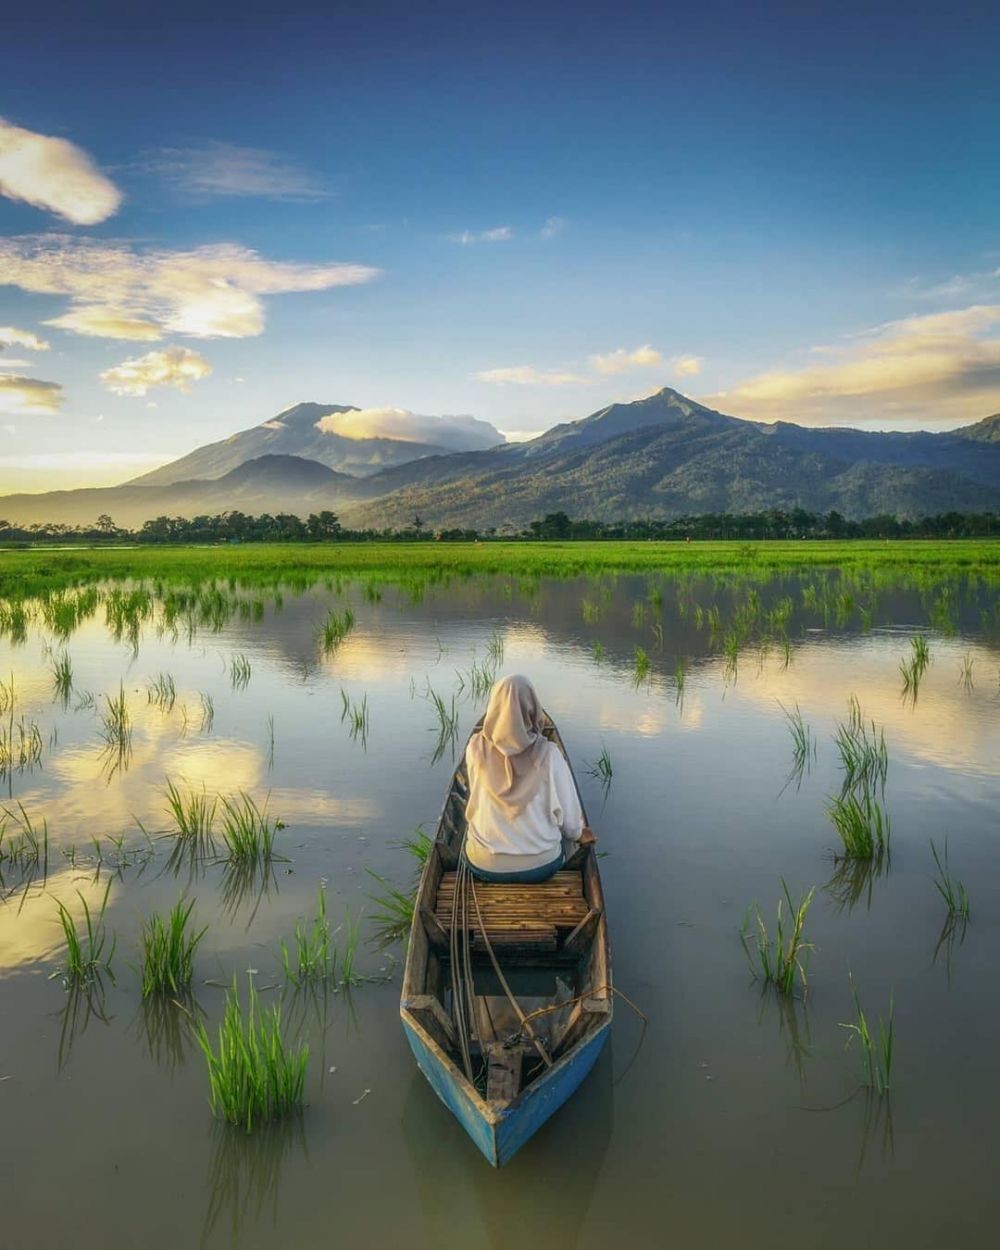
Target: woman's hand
{"points": [[588, 837]]}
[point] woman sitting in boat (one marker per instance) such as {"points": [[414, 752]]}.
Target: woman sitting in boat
{"points": [[522, 802]]}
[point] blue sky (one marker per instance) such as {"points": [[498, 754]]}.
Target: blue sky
{"points": [[518, 212]]}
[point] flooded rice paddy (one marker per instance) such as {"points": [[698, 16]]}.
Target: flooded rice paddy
{"points": [[736, 1118]]}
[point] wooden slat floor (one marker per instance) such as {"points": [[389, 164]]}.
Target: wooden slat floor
{"points": [[556, 903]]}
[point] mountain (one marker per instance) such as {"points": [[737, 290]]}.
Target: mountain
{"points": [[297, 432], [264, 484], [662, 456], [668, 455]]}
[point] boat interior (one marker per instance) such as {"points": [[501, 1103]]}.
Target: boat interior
{"points": [[505, 979]]}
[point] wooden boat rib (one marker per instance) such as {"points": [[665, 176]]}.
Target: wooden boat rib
{"points": [[550, 941]]}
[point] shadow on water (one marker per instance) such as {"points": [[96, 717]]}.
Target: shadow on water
{"points": [[244, 1177], [541, 1198], [84, 1004], [793, 1026]]}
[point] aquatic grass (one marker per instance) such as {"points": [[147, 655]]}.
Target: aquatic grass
{"points": [[255, 1074], [248, 832], [966, 677], [803, 743], [116, 723], [598, 651], [162, 692], [393, 914], [240, 672], [861, 820], [478, 680], [314, 957], [680, 682], [447, 726], [335, 629], [912, 670], [352, 932], [495, 650], [207, 712], [62, 676], [168, 950], [640, 667], [193, 815], [418, 844], [602, 769], [28, 850], [591, 611], [953, 892], [876, 1048], [87, 955], [864, 756], [356, 716], [21, 746], [657, 630], [780, 959]]}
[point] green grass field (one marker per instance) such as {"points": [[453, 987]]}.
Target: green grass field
{"points": [[29, 571]]}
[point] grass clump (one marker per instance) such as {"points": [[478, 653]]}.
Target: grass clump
{"points": [[315, 956], [247, 830], [255, 1074], [28, 849], [168, 948], [803, 743], [335, 629], [116, 724], [876, 1048], [162, 692], [864, 756], [87, 952], [239, 672], [447, 726], [780, 959], [62, 676], [356, 716], [393, 915], [861, 819], [640, 666], [602, 769], [193, 815], [953, 892]]}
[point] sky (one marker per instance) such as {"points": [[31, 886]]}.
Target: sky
{"points": [[521, 213]]}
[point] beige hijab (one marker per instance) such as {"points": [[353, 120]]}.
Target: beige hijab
{"points": [[509, 749]]}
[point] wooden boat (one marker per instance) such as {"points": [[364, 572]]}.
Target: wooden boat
{"points": [[526, 967]]}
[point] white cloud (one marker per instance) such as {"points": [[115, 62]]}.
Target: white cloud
{"points": [[11, 336], [225, 169], [176, 366], [622, 360], [499, 234], [54, 174], [459, 433], [687, 366], [106, 322], [553, 226], [26, 397], [527, 375], [942, 366], [212, 291]]}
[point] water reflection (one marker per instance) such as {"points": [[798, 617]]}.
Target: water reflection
{"points": [[244, 1179], [853, 880], [164, 1022]]}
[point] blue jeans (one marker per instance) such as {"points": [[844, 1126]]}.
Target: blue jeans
{"points": [[527, 876]]}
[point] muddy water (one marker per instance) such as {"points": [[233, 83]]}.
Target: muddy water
{"points": [[736, 1120]]}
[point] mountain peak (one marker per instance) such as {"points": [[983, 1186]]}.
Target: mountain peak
{"points": [[665, 407], [985, 431]]}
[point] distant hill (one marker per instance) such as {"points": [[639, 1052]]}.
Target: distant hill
{"points": [[662, 456], [295, 432]]}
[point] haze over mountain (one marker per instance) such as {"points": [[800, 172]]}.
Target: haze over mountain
{"points": [[662, 456]]}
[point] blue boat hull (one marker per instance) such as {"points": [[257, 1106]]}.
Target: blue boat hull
{"points": [[500, 1133]]}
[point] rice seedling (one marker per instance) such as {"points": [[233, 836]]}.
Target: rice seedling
{"points": [[877, 1048], [638, 613], [953, 892], [478, 680], [270, 742], [85, 949], [162, 692], [116, 723], [335, 629], [591, 611], [62, 676], [86, 702], [803, 743], [207, 712], [779, 959], [640, 666], [657, 629], [28, 850], [314, 957], [602, 769], [680, 681], [967, 680], [417, 844], [598, 651], [352, 931], [21, 746], [494, 650], [356, 716], [168, 949], [393, 914], [248, 832], [255, 1074], [239, 672], [447, 726], [193, 815], [864, 756], [861, 820]]}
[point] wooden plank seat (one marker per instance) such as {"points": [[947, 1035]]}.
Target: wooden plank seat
{"points": [[526, 916]]}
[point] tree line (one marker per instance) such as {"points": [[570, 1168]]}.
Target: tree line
{"points": [[772, 523]]}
